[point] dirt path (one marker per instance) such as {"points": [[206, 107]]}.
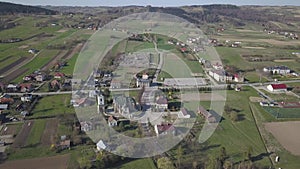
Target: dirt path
{"points": [[57, 162]]}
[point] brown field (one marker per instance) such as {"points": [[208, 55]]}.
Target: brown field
{"points": [[10, 130], [12, 65], [287, 134], [21, 138], [57, 162], [48, 136], [13, 75]]}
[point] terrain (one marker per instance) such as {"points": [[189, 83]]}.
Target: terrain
{"points": [[48, 40]]}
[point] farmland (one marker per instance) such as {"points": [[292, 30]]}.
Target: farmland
{"points": [[247, 134]]}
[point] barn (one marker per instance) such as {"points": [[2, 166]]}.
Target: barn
{"points": [[277, 87]]}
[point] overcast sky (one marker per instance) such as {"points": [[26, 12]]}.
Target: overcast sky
{"points": [[153, 2]]}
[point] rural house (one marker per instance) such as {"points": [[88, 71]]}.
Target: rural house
{"points": [[207, 115], [161, 103], [164, 129], [277, 87]]}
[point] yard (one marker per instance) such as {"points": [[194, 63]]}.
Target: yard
{"points": [[146, 163], [51, 106]]}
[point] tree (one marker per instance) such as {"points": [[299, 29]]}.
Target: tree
{"points": [[223, 154], [228, 165], [165, 163], [179, 156]]}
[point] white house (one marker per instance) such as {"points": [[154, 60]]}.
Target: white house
{"points": [[100, 145], [112, 122]]}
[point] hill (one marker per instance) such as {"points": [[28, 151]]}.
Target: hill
{"points": [[10, 8]]}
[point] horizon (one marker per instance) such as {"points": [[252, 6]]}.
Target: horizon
{"points": [[155, 3]]}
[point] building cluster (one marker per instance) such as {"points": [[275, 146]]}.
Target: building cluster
{"points": [[280, 70], [222, 76], [290, 35]]}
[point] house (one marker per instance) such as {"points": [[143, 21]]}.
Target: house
{"points": [[207, 115], [86, 126], [6, 99], [26, 87], [33, 51], [183, 113], [281, 70], [24, 113], [161, 103], [100, 99], [55, 84], [27, 78], [164, 129], [238, 78], [79, 102], [26, 98], [101, 146], [40, 78], [65, 144], [144, 81], [112, 122], [59, 75], [11, 88], [3, 106], [277, 87], [220, 76], [217, 66]]}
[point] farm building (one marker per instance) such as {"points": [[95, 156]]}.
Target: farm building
{"points": [[277, 87]]}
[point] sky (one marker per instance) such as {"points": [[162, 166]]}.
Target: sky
{"points": [[161, 3]]}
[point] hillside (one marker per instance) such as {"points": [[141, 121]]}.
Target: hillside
{"points": [[10, 8]]}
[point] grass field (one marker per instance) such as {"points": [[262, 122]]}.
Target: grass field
{"points": [[69, 69], [237, 137], [146, 163], [36, 133], [289, 113], [52, 106], [287, 160]]}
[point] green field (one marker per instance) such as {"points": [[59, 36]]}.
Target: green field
{"points": [[146, 163], [36, 133], [52, 106], [285, 113], [237, 137]]}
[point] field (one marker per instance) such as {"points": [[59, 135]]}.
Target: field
{"points": [[289, 140], [21, 138], [237, 137], [34, 137], [288, 113], [142, 163], [51, 106], [57, 162]]}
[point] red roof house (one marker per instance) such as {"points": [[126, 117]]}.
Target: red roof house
{"points": [[277, 87]]}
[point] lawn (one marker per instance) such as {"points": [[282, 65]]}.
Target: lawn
{"points": [[146, 163], [69, 69], [237, 137], [36, 133], [50, 106]]}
